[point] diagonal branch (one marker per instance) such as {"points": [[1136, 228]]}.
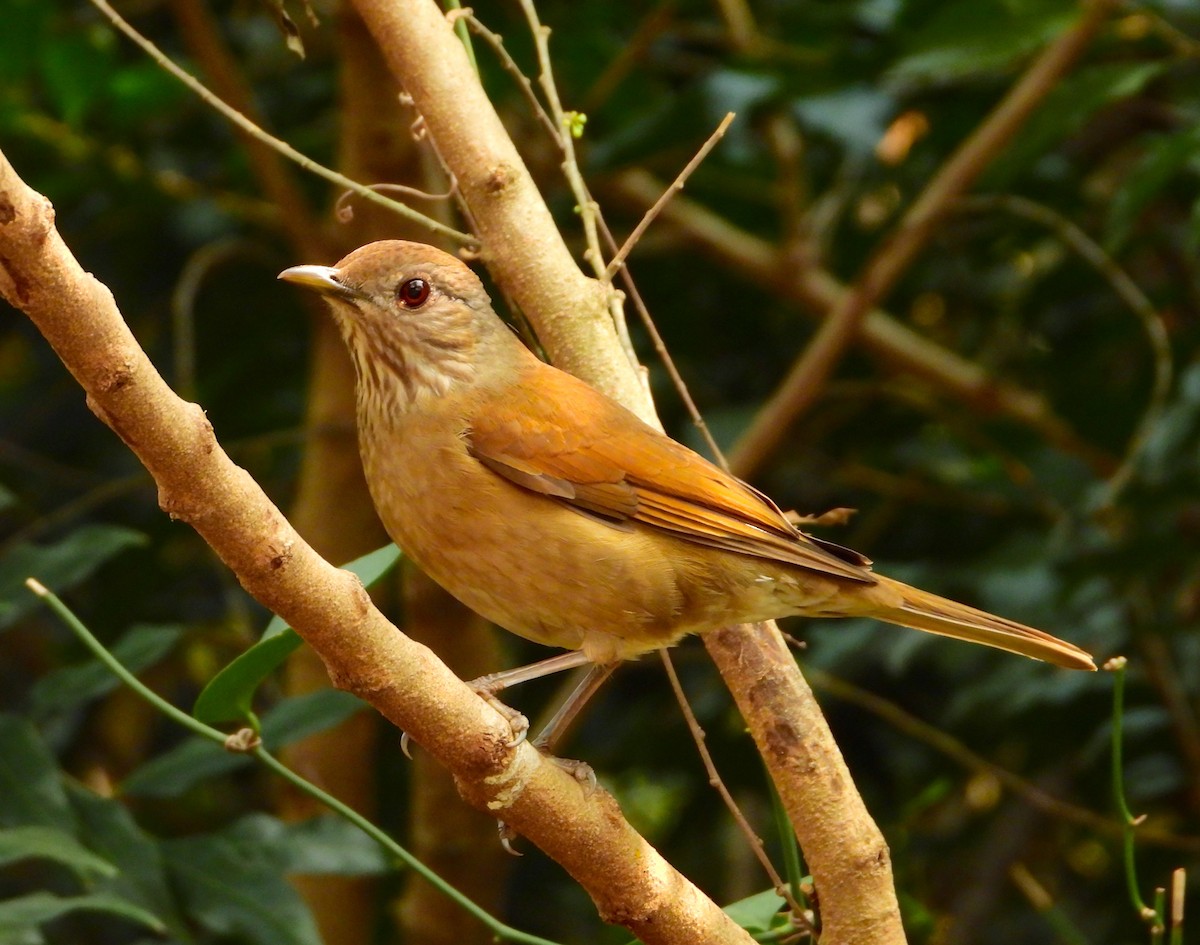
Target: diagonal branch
{"points": [[630, 882]]}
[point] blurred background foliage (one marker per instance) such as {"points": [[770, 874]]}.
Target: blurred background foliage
{"points": [[844, 111]]}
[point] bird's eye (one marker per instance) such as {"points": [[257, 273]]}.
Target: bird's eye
{"points": [[413, 293]]}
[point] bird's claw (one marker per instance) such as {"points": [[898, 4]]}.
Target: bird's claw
{"points": [[581, 771], [507, 835], [516, 720], [405, 745]]}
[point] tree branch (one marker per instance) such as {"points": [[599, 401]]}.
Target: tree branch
{"points": [[364, 654]]}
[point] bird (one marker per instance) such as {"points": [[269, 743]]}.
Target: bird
{"points": [[558, 514]]}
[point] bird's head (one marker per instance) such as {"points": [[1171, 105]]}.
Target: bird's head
{"points": [[417, 320]]}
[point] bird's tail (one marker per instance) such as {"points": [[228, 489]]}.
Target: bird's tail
{"points": [[921, 610]]}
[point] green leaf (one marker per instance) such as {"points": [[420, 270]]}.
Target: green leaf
{"points": [[329, 845], [233, 883], [17, 915], [140, 648], [197, 759], [229, 695], [757, 913], [983, 37], [1165, 157], [59, 566], [50, 843], [108, 829], [1066, 110], [30, 783]]}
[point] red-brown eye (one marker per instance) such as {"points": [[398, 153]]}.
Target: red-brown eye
{"points": [[413, 293]]}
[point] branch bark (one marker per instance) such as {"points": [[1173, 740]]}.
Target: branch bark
{"points": [[363, 653]]}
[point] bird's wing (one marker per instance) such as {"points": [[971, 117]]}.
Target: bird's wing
{"points": [[575, 445]]}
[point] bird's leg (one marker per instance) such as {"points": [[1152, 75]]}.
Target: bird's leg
{"points": [[493, 683], [565, 714], [487, 686], [571, 706], [554, 729]]}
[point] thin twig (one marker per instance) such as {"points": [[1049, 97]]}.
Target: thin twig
{"points": [[250, 128], [508, 64], [570, 165], [1127, 290], [714, 779], [656, 338], [345, 212], [664, 355], [676, 186]]}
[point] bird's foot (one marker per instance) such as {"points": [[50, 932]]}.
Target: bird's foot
{"points": [[516, 720], [581, 771], [507, 836]]}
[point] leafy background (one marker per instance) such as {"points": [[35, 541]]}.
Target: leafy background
{"points": [[117, 827]]}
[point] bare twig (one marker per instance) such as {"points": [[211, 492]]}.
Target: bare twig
{"points": [[345, 212], [246, 125], [566, 137], [677, 185], [496, 42], [664, 355], [803, 383], [715, 780]]}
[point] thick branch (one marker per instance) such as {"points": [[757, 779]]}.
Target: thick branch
{"points": [[630, 882]]}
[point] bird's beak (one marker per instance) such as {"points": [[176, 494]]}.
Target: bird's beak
{"points": [[322, 278]]}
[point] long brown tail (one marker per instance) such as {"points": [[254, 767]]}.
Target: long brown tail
{"points": [[924, 611]]}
